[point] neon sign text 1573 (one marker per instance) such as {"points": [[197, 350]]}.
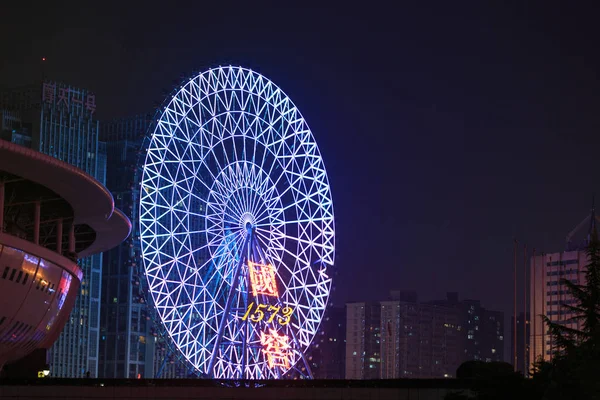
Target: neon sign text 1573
{"points": [[259, 313]]}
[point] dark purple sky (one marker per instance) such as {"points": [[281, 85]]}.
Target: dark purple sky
{"points": [[446, 130]]}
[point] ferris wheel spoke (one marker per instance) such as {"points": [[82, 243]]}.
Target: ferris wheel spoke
{"points": [[218, 238], [261, 213], [267, 213], [225, 315], [237, 203], [280, 235]]}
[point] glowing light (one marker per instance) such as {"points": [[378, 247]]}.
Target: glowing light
{"points": [[262, 278], [230, 150], [262, 310], [276, 348]]}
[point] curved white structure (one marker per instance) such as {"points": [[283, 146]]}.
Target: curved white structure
{"points": [[51, 213]]}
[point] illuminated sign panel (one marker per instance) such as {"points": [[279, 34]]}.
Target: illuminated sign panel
{"points": [[69, 98], [262, 310], [277, 348], [262, 278]]}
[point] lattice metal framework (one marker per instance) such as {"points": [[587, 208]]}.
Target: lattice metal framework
{"points": [[233, 181]]}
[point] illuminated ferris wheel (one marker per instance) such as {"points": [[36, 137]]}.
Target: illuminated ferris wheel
{"points": [[237, 227]]}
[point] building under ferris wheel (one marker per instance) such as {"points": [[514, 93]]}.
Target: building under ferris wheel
{"points": [[236, 227]]}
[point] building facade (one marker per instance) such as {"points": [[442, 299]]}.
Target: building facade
{"points": [[481, 330], [328, 354], [484, 331], [404, 338], [126, 344], [130, 344], [399, 339], [61, 119], [418, 340], [548, 293], [363, 343], [13, 129]]}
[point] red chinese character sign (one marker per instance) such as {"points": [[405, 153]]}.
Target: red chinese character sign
{"points": [[68, 99], [237, 227], [262, 279], [277, 348], [90, 103], [48, 92]]}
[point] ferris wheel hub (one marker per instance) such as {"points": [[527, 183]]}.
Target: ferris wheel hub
{"points": [[247, 222]]}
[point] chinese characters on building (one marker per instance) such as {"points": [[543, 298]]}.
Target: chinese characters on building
{"points": [[64, 96]]}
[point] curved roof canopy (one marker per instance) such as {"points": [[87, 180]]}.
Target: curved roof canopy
{"points": [[91, 202]]}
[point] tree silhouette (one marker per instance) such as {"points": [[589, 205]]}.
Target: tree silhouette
{"points": [[575, 366]]}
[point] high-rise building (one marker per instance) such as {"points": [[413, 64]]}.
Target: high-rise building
{"points": [[130, 346], [63, 125], [363, 344], [523, 337], [12, 128], [418, 340], [126, 344], [328, 353], [548, 293], [484, 330], [481, 330], [401, 339]]}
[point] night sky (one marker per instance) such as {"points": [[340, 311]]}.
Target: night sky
{"points": [[446, 130]]}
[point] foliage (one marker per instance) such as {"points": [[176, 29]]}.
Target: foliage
{"points": [[575, 366], [573, 372]]}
